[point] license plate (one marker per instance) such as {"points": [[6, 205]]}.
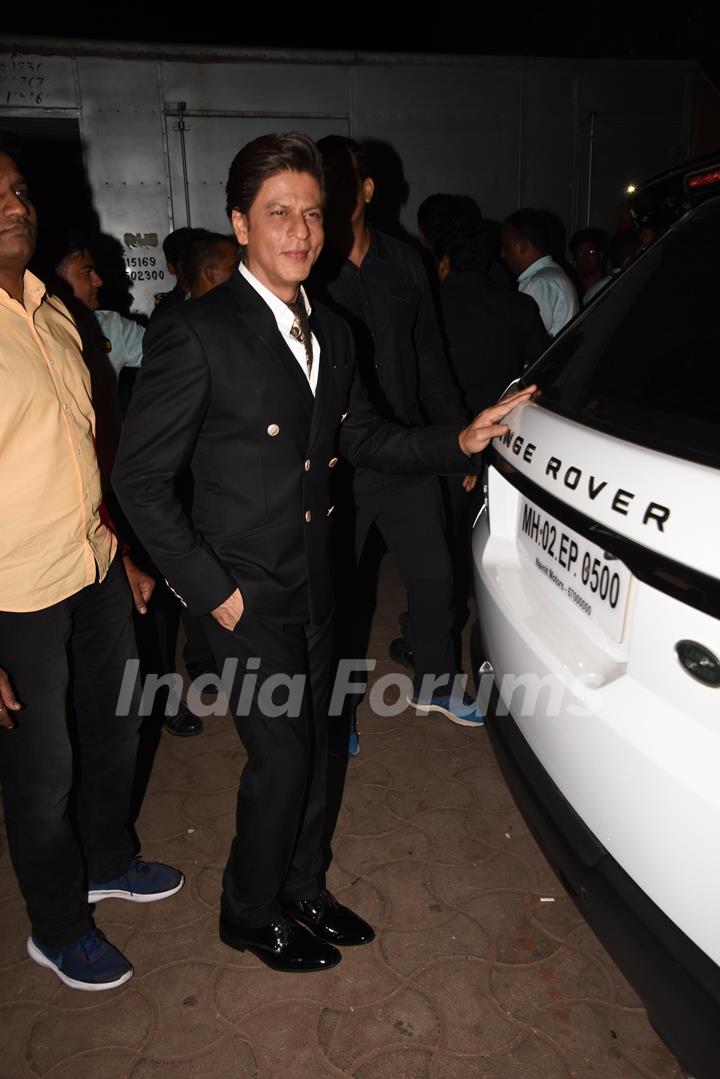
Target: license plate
{"points": [[576, 571]]}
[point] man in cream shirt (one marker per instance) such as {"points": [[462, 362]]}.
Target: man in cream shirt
{"points": [[65, 632]]}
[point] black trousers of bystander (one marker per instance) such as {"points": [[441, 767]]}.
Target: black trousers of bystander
{"points": [[67, 768]]}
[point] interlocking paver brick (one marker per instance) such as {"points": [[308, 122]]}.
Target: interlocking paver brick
{"points": [[462, 836], [361, 895], [152, 948], [367, 772], [112, 1063], [528, 991], [471, 1017], [490, 792], [363, 854], [514, 921], [369, 813], [394, 741], [532, 1058], [582, 937], [458, 884], [443, 794], [470, 975], [187, 1020], [412, 904], [283, 1036], [403, 1063], [407, 1017], [8, 887], [230, 1058], [122, 1021], [610, 1043], [456, 936], [16, 1021], [206, 883], [521, 845]]}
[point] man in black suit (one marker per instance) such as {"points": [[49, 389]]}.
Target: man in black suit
{"points": [[260, 402], [379, 285], [492, 332]]}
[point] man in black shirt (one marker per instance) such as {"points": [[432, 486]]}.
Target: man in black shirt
{"points": [[493, 332], [380, 287]]}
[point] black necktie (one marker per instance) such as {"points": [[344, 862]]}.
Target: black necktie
{"points": [[300, 330]]}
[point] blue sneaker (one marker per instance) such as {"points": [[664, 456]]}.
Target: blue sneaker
{"points": [[353, 743], [142, 882], [461, 710], [343, 737], [90, 963]]}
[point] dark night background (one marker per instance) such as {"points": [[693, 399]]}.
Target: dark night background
{"points": [[626, 31]]}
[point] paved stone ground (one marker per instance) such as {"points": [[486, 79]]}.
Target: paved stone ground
{"points": [[471, 975]]}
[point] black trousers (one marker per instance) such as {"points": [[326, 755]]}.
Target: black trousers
{"points": [[197, 654], [411, 521], [157, 634], [277, 851], [67, 768]]}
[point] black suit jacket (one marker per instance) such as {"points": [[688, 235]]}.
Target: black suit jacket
{"points": [[389, 307], [221, 391], [492, 333]]}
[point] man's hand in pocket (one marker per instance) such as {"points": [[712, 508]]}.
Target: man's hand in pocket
{"points": [[229, 613]]}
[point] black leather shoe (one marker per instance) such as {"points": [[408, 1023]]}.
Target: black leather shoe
{"points": [[282, 945], [400, 653], [329, 920], [184, 724]]}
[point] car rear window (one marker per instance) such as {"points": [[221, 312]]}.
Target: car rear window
{"points": [[644, 362]]}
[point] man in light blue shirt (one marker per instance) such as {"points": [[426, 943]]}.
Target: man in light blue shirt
{"points": [[123, 335], [526, 241]]}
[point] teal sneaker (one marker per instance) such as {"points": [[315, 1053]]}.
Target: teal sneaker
{"points": [[461, 710], [142, 882], [90, 963], [353, 743]]}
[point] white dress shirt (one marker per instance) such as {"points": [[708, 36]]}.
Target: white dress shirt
{"points": [[594, 289], [553, 292], [125, 336], [284, 319]]}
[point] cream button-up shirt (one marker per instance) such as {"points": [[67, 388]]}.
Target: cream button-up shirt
{"points": [[52, 539]]}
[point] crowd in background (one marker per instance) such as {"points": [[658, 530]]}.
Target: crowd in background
{"points": [[501, 293], [426, 336]]}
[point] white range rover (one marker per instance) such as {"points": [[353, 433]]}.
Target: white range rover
{"points": [[597, 573]]}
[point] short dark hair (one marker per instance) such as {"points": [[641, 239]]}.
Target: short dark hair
{"points": [[333, 146], [175, 242], [203, 252], [58, 242], [434, 213], [63, 242], [467, 248], [264, 157], [534, 226], [440, 212], [597, 237]]}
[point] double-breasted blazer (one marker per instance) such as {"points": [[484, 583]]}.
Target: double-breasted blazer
{"points": [[221, 392]]}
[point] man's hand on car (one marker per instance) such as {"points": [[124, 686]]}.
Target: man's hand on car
{"points": [[486, 425]]}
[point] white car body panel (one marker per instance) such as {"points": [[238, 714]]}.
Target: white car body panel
{"points": [[631, 740]]}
